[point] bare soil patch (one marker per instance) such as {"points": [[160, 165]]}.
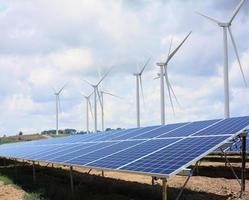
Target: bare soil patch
{"points": [[9, 192]]}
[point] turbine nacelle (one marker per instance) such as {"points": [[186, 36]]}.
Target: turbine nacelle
{"points": [[160, 64]]}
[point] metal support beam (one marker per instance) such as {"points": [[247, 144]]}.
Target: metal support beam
{"points": [[186, 181], [34, 174], [71, 179], [243, 159], [165, 187], [89, 171], [103, 173], [230, 165]]}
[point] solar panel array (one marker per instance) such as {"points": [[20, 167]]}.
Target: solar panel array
{"points": [[156, 150]]}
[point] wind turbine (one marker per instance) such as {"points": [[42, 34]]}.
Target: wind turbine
{"points": [[227, 26], [88, 105], [163, 73], [96, 94], [139, 84], [102, 105], [57, 105]]}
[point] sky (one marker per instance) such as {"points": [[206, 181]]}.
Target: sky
{"points": [[47, 43]]}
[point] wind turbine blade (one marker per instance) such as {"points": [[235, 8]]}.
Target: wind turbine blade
{"points": [[141, 72], [86, 81], [90, 106], [236, 10], [237, 55], [53, 89], [170, 46], [174, 52], [156, 77], [62, 88], [100, 100], [168, 88], [104, 76], [112, 94], [173, 92], [208, 17], [141, 86]]}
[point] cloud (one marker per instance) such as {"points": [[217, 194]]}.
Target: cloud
{"points": [[48, 43]]}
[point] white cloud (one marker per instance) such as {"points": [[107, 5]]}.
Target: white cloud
{"points": [[48, 43]]}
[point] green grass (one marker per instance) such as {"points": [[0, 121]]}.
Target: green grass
{"points": [[33, 196], [6, 180]]}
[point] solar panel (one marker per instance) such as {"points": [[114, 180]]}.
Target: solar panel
{"points": [[155, 150], [171, 159]]}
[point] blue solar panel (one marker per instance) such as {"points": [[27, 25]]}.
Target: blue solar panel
{"points": [[161, 130], [83, 159], [120, 158], [174, 157], [154, 150], [81, 151], [136, 133], [226, 126], [189, 129]]}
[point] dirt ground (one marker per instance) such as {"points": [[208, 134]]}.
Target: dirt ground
{"points": [[213, 182], [9, 192]]}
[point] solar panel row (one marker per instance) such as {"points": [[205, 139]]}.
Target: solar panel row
{"points": [[156, 150]]}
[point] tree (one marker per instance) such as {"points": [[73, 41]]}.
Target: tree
{"points": [[20, 133]]}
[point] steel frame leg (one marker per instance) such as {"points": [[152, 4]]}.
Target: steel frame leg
{"points": [[165, 188], [243, 160], [152, 181], [15, 167], [71, 179], [34, 174]]}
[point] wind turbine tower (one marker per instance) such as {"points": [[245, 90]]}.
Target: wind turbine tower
{"points": [[139, 84], [95, 95], [57, 105], [163, 73], [226, 26]]}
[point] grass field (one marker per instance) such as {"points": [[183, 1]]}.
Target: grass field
{"points": [[22, 138]]}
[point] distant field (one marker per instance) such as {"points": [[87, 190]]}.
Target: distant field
{"points": [[22, 138]]}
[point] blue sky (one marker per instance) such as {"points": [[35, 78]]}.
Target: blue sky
{"points": [[46, 43]]}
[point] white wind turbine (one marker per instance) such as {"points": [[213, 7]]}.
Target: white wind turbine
{"points": [[96, 93], [57, 105], [163, 72], [139, 84], [88, 107], [227, 26], [102, 93]]}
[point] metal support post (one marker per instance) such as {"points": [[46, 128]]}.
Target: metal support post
{"points": [[152, 181], [71, 179], [34, 174], [243, 159], [165, 187], [103, 173], [15, 167]]}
